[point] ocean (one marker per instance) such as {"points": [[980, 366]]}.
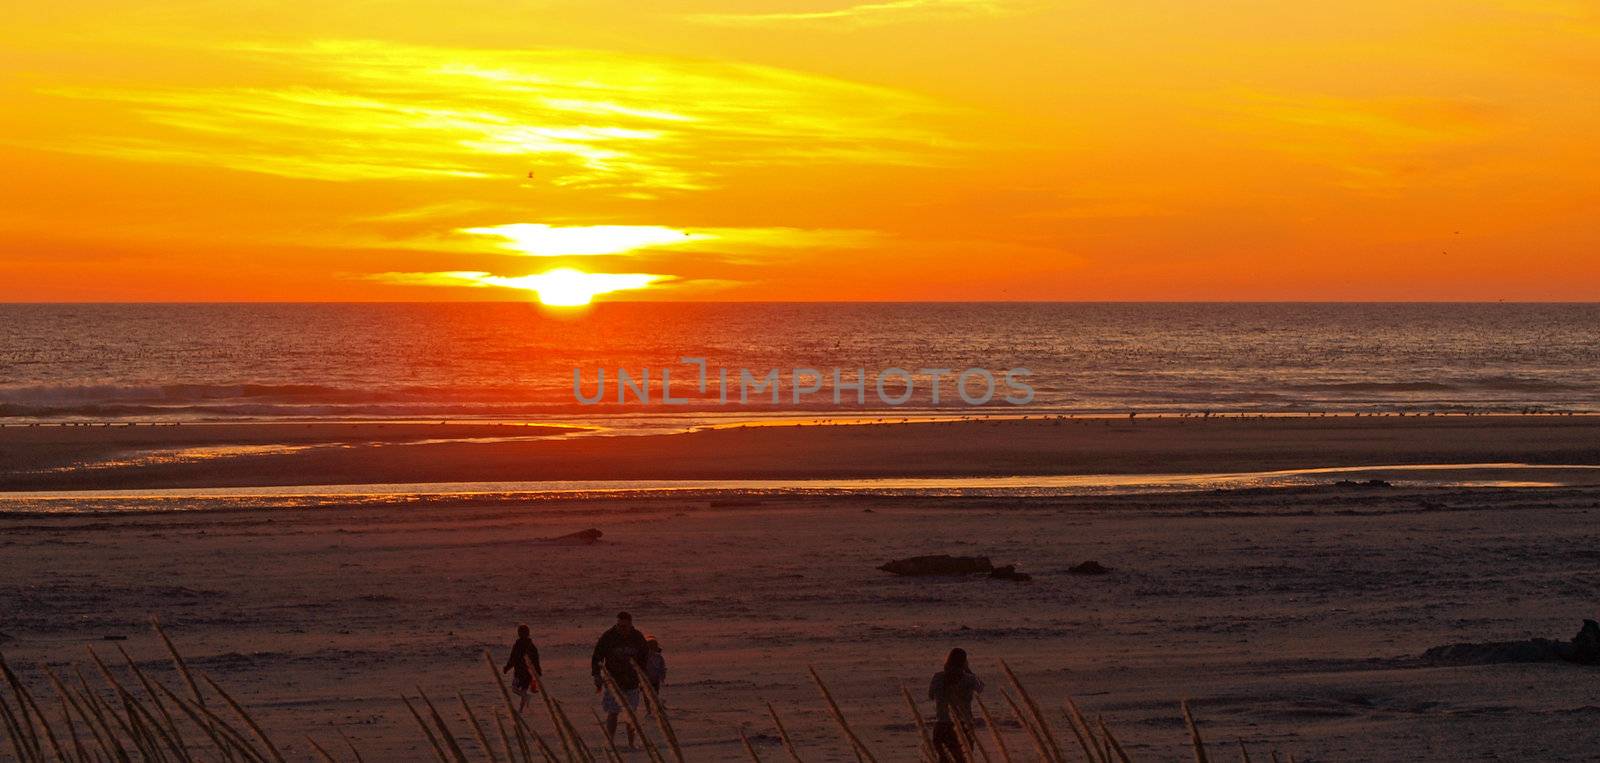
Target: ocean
{"points": [[516, 361]]}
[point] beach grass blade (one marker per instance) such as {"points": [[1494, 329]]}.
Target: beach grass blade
{"points": [[433, 741], [1080, 729], [1027, 726], [444, 730], [783, 734], [994, 731], [749, 748], [245, 716], [862, 753], [631, 716], [1194, 735], [610, 745], [924, 742], [321, 753], [1043, 725], [660, 712], [1111, 741], [477, 730]]}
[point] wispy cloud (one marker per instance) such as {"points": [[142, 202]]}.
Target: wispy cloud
{"points": [[866, 14], [563, 286], [545, 240], [540, 240], [1372, 142], [573, 118]]}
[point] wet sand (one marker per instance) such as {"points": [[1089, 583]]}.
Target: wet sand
{"points": [[62, 448], [41, 458], [1291, 618]]}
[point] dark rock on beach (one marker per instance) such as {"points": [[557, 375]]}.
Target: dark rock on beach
{"points": [[1363, 483], [1090, 567], [940, 564], [1009, 572], [1492, 652], [587, 537], [943, 565], [1583, 649]]}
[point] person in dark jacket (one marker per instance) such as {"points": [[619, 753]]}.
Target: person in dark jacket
{"points": [[952, 690], [619, 649], [524, 664]]}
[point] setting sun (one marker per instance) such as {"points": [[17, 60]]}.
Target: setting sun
{"points": [[831, 339], [568, 287], [562, 287], [810, 150]]}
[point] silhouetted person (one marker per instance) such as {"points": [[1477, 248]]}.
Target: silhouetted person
{"points": [[524, 664], [655, 667], [951, 691], [617, 652]]}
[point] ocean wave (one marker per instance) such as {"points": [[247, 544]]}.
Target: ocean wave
{"points": [[1521, 384], [68, 396], [1499, 383], [270, 410], [489, 400], [1376, 387], [454, 360], [110, 393]]}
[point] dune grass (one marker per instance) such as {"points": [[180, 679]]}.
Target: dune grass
{"points": [[144, 720]]}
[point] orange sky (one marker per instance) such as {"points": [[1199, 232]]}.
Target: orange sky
{"points": [[800, 150]]}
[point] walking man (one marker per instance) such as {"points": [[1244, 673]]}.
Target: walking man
{"points": [[617, 652]]}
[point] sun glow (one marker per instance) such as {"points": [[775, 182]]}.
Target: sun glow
{"points": [[568, 287], [562, 287], [800, 150]]}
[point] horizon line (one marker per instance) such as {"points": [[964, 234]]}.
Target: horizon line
{"points": [[535, 303]]}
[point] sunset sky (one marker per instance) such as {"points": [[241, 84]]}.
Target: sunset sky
{"points": [[800, 150]]}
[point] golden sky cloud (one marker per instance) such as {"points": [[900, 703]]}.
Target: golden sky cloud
{"points": [[864, 14], [801, 149], [367, 110], [561, 287]]}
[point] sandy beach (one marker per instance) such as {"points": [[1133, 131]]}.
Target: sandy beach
{"points": [[246, 454], [1234, 357], [1293, 618]]}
